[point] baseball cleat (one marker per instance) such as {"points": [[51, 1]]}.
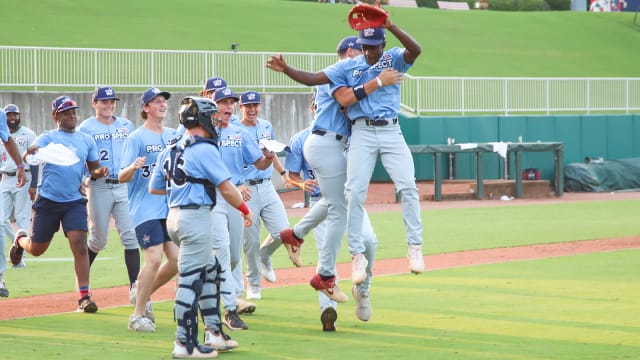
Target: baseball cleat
{"points": [[416, 260], [358, 269], [363, 307], [292, 244], [328, 319], [329, 287]]}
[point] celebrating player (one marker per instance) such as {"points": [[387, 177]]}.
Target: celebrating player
{"points": [[107, 197], [149, 212], [63, 205], [187, 172], [16, 200], [11, 149], [372, 99]]}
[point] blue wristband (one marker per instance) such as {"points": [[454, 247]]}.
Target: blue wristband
{"points": [[359, 92]]}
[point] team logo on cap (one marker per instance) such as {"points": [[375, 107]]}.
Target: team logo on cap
{"points": [[226, 91], [368, 32], [108, 91], [251, 96], [217, 82], [155, 90]]}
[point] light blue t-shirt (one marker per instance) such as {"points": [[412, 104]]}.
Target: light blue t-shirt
{"points": [[144, 206], [4, 128], [200, 160], [238, 151], [109, 139], [262, 130], [328, 113], [382, 103], [62, 183], [295, 162]]}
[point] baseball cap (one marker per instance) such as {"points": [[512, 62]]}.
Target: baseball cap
{"points": [[350, 42], [250, 97], [224, 93], [12, 108], [63, 103], [371, 36], [104, 93], [152, 93], [214, 84]]}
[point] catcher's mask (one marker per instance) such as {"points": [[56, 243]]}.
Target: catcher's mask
{"points": [[198, 111]]}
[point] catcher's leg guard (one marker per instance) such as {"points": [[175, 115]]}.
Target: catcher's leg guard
{"points": [[190, 285], [210, 299]]}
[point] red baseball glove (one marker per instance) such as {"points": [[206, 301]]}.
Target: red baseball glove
{"points": [[363, 16]]}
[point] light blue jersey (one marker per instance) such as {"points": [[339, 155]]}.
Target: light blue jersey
{"points": [[238, 151], [62, 183], [328, 113], [144, 206], [200, 160], [4, 129], [384, 103], [109, 139], [295, 161], [262, 130]]}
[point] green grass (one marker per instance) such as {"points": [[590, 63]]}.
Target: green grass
{"points": [[445, 230], [577, 307], [455, 43]]}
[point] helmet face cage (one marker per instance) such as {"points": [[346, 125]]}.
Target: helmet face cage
{"points": [[198, 111]]}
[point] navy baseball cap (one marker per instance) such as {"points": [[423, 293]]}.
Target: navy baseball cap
{"points": [[214, 84], [371, 36], [350, 42], [151, 93], [12, 108], [63, 103], [250, 97], [225, 93], [104, 93]]}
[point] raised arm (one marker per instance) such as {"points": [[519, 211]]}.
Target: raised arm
{"points": [[277, 63], [412, 48], [346, 96]]}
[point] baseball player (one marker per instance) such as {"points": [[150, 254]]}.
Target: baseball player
{"points": [[148, 212], [264, 202], [10, 148], [64, 205], [16, 200], [368, 86], [237, 150], [324, 150], [296, 163], [212, 85], [187, 172], [107, 197]]}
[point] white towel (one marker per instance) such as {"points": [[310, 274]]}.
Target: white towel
{"points": [[500, 148], [56, 154], [467, 146]]}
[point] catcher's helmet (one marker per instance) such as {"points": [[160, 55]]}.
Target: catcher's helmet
{"points": [[12, 108], [198, 111]]}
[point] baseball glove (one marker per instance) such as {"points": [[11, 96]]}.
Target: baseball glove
{"points": [[363, 16]]}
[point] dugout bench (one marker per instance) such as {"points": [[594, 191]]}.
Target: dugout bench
{"points": [[512, 148]]}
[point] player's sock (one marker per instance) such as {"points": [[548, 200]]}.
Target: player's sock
{"points": [[84, 290], [132, 261], [92, 256]]}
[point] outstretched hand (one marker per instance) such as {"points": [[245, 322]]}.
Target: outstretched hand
{"points": [[276, 63]]}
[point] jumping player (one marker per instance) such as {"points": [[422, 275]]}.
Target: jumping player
{"points": [[372, 99], [64, 205], [149, 212], [188, 172], [107, 197]]}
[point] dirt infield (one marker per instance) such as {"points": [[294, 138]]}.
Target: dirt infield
{"points": [[381, 198]]}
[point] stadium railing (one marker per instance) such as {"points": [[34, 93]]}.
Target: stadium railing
{"points": [[48, 68]]}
